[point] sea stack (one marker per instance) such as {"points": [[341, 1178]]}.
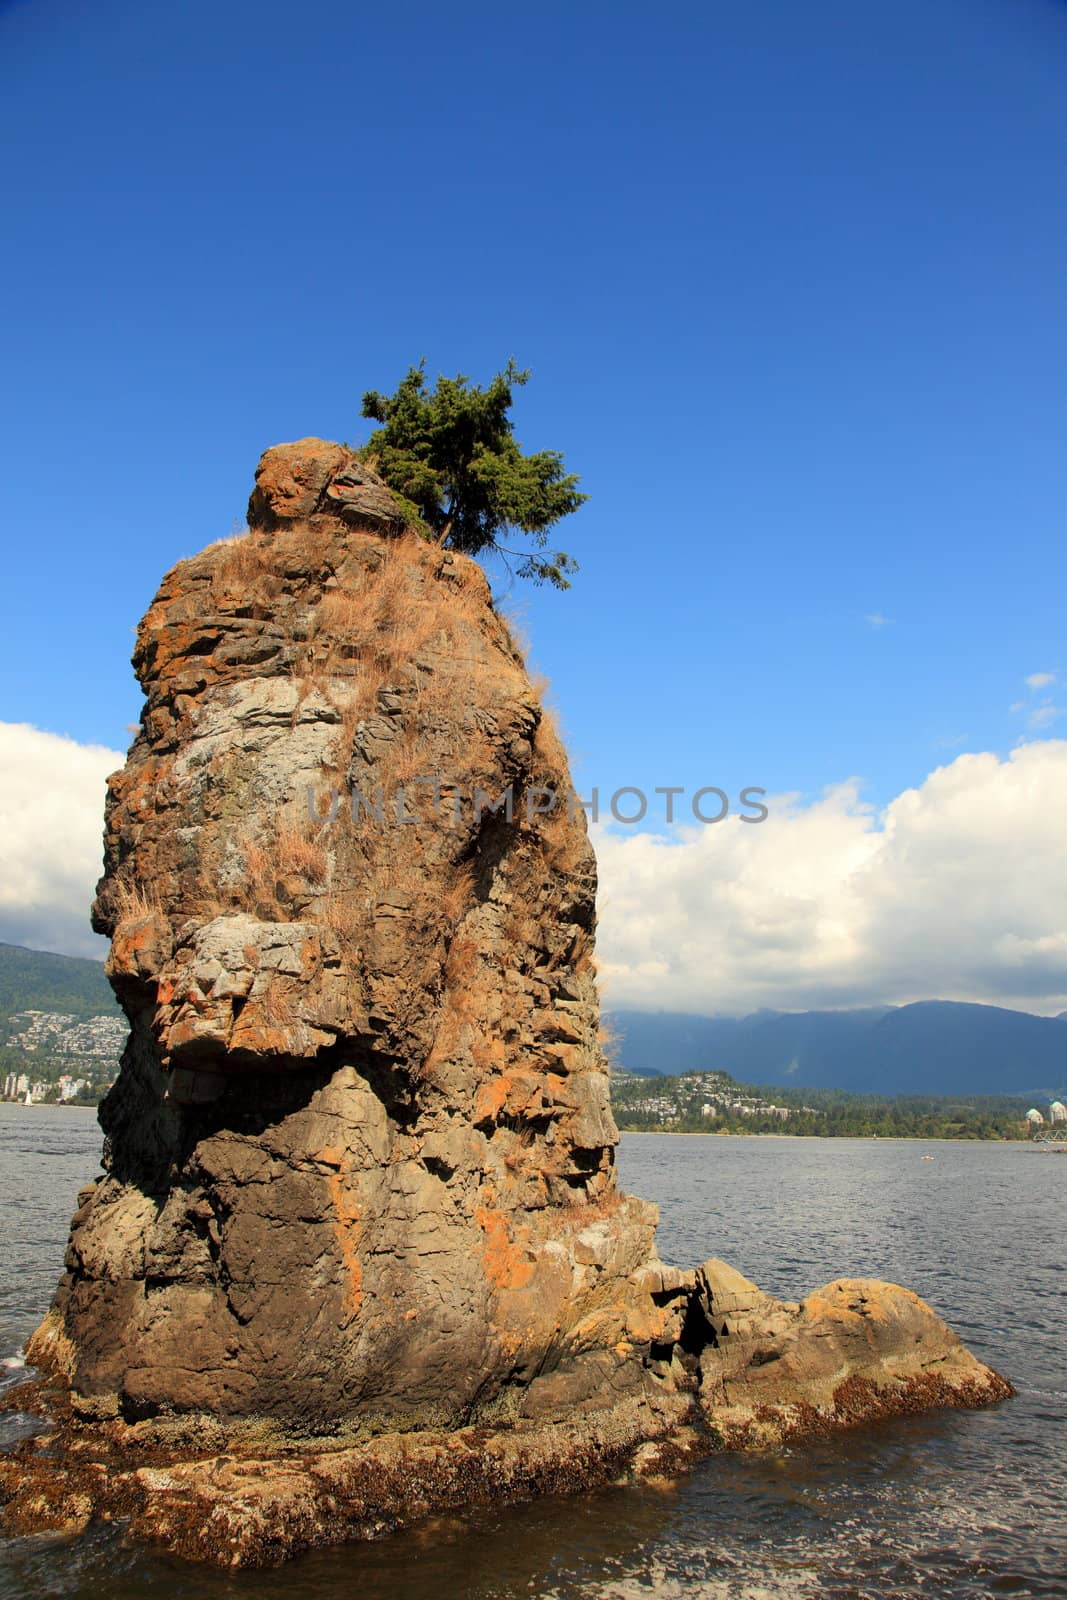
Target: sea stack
{"points": [[358, 1251]]}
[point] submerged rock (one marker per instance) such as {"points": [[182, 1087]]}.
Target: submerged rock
{"points": [[358, 1251]]}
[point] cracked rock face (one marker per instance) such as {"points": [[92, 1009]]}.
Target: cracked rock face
{"points": [[360, 1156]]}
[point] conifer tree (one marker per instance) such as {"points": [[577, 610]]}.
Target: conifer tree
{"points": [[451, 454]]}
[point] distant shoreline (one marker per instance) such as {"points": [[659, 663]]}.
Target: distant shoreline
{"points": [[1053, 1148], [829, 1138], [53, 1105]]}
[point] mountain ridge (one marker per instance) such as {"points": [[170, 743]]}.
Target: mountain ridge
{"points": [[927, 1046]]}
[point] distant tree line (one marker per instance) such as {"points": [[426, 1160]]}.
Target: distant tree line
{"points": [[829, 1113]]}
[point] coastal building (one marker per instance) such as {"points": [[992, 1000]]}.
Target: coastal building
{"points": [[1057, 1111], [1034, 1118]]}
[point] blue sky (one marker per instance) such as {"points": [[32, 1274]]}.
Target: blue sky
{"points": [[790, 279]]}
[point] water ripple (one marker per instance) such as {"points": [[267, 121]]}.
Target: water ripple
{"points": [[947, 1506]]}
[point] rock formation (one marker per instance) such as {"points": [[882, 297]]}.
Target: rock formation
{"points": [[358, 1250]]}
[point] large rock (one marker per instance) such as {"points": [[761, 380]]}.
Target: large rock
{"points": [[360, 1158], [312, 480], [359, 1177], [856, 1351]]}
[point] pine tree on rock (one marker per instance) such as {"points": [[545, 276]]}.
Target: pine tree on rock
{"points": [[450, 453]]}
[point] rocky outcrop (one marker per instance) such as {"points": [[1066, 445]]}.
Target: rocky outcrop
{"points": [[315, 483], [856, 1351], [360, 1154], [358, 1250]]}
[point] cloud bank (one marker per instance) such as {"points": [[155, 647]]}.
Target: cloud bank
{"points": [[51, 831], [958, 890]]}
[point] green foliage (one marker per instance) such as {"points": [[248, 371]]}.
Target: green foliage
{"points": [[36, 980], [450, 453]]}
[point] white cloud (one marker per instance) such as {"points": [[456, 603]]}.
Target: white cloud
{"points": [[1040, 680], [875, 619], [958, 890], [51, 831]]}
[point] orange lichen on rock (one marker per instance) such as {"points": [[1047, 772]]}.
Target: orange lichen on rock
{"points": [[491, 1097], [348, 1232], [507, 1265]]}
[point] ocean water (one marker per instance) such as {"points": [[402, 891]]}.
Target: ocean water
{"points": [[951, 1505]]}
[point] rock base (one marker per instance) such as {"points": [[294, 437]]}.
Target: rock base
{"points": [[747, 1372], [245, 1507]]}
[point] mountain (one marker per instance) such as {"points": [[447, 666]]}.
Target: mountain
{"points": [[36, 980], [930, 1047]]}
